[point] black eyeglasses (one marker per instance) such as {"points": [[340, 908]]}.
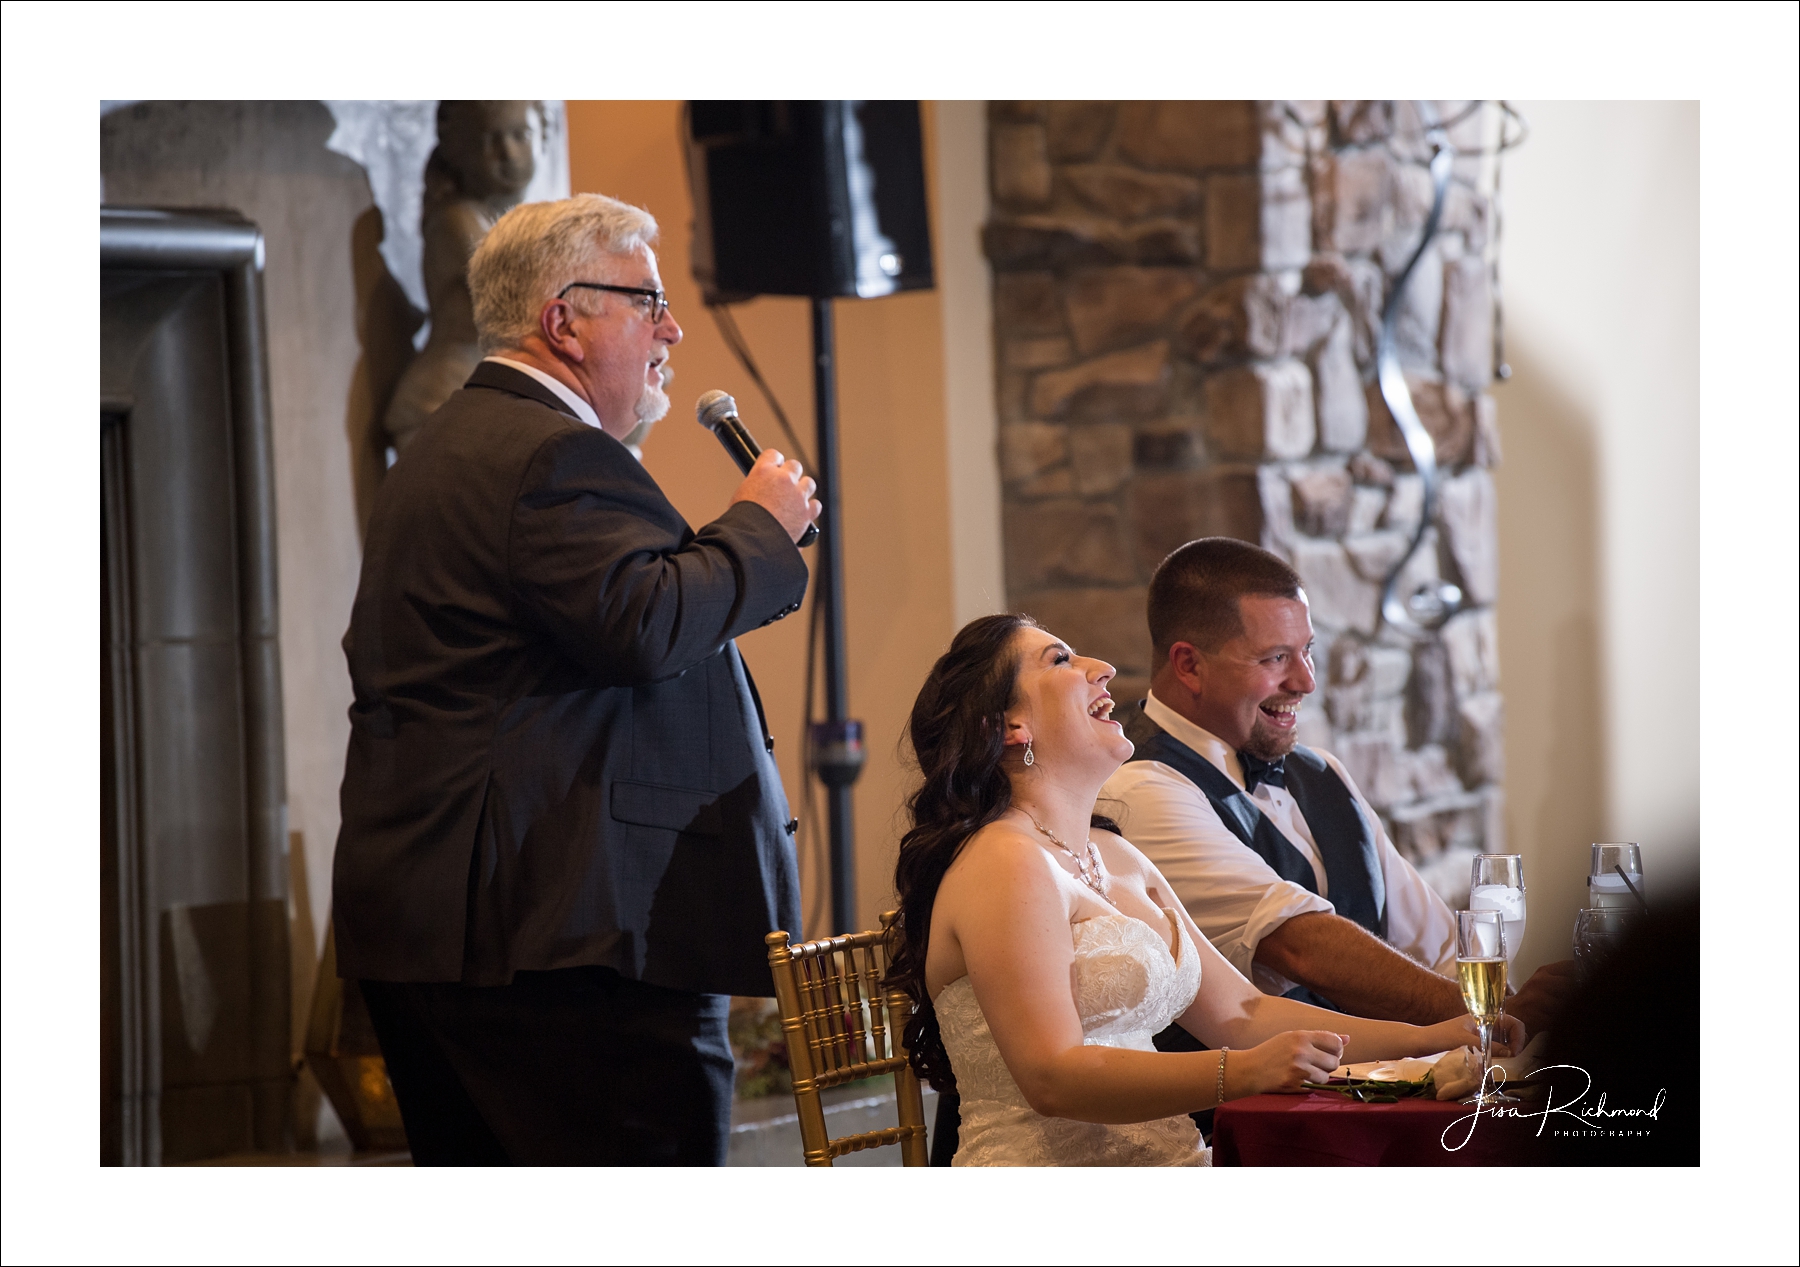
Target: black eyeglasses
{"points": [[659, 302]]}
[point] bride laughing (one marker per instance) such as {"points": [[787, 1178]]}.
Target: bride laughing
{"points": [[1043, 951]]}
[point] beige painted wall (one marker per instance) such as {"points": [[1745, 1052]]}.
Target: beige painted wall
{"points": [[905, 585], [1599, 497], [966, 287]]}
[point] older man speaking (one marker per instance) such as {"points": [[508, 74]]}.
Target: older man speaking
{"points": [[564, 834]]}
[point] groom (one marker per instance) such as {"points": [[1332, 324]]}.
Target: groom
{"points": [[1269, 844]]}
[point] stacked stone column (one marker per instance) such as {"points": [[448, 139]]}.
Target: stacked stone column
{"points": [[1187, 301]]}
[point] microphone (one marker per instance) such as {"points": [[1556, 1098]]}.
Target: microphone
{"points": [[717, 412]]}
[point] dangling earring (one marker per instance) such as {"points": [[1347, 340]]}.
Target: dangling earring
{"points": [[1030, 757]]}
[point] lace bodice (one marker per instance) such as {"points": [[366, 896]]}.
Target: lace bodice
{"points": [[1127, 988]]}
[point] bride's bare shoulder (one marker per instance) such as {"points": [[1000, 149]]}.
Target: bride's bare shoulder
{"points": [[1000, 853]]}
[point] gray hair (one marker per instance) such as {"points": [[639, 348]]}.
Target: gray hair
{"points": [[538, 248]]}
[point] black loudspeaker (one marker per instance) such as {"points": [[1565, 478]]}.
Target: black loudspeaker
{"points": [[816, 198]]}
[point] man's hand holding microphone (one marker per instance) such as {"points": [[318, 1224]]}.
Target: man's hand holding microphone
{"points": [[779, 485]]}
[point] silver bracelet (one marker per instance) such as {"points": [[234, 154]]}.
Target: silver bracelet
{"points": [[1220, 1089]]}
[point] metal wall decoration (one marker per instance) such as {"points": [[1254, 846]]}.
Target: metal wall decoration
{"points": [[1429, 607], [1424, 611], [195, 987]]}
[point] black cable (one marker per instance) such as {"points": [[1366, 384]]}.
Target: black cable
{"points": [[722, 315], [808, 837], [740, 347], [808, 842], [811, 837]]}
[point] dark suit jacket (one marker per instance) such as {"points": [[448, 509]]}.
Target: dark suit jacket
{"points": [[557, 756]]}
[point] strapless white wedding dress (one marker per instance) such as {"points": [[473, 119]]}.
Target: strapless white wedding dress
{"points": [[1127, 988]]}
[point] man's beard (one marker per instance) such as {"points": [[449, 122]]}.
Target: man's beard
{"points": [[1268, 744], [652, 405], [653, 402]]}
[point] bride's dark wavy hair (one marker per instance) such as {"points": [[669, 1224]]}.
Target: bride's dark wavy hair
{"points": [[958, 735]]}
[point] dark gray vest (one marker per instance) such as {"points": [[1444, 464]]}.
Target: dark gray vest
{"points": [[1345, 840]]}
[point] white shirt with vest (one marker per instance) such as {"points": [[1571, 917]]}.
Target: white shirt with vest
{"points": [[1235, 897]]}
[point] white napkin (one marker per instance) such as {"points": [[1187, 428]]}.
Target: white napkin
{"points": [[1454, 1073], [1410, 1069], [1458, 1073]]}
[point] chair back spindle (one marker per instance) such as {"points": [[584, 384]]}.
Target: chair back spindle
{"points": [[841, 1025]]}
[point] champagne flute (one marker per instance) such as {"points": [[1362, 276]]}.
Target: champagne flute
{"points": [[1481, 972], [1497, 883]]}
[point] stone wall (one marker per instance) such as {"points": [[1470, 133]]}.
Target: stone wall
{"points": [[1187, 297]]}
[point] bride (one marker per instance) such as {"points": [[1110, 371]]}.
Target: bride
{"points": [[1043, 951]]}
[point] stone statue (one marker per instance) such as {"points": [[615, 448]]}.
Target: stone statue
{"points": [[483, 161]]}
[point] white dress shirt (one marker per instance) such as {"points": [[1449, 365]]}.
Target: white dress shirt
{"points": [[1235, 897], [583, 410]]}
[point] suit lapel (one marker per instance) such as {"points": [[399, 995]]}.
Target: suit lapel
{"points": [[507, 379]]}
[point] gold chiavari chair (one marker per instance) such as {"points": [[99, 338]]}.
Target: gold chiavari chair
{"points": [[842, 1025]]}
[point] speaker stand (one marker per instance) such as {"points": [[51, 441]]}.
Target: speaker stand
{"points": [[837, 741]]}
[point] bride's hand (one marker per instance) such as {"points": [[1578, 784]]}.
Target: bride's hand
{"points": [[1461, 1031], [1284, 1062]]}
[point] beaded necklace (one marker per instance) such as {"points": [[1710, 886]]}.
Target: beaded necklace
{"points": [[1087, 863]]}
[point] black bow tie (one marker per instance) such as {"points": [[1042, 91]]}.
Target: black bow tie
{"points": [[1256, 770]]}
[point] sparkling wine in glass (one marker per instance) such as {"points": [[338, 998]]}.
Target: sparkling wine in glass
{"points": [[1481, 973], [1497, 883]]}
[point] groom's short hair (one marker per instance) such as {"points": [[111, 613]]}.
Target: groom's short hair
{"points": [[1195, 591]]}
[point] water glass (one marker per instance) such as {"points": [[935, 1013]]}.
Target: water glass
{"points": [[1598, 932], [1497, 883], [1606, 886]]}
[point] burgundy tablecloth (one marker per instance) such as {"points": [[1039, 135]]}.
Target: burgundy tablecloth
{"points": [[1327, 1129]]}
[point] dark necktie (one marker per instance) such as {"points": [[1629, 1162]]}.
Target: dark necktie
{"points": [[1256, 770]]}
